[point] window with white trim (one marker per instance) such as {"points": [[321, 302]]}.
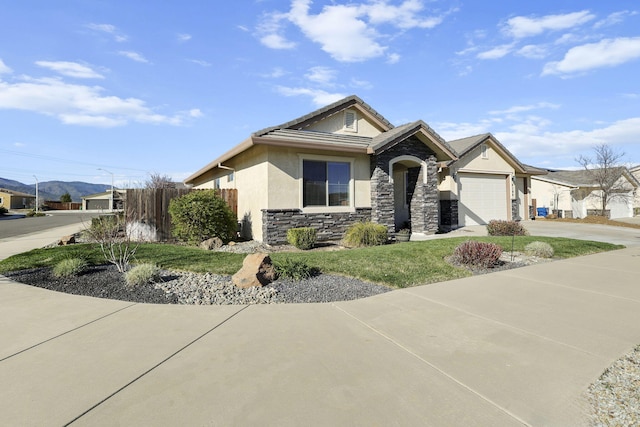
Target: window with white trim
{"points": [[326, 183], [230, 177], [350, 121]]}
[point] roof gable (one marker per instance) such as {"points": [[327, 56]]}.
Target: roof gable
{"points": [[584, 178], [304, 122], [394, 136]]}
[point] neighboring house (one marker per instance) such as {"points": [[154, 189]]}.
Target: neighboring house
{"points": [[486, 182], [635, 171], [574, 194], [345, 163], [100, 201], [11, 199]]}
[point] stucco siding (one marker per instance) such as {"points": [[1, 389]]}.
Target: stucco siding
{"points": [[545, 193], [285, 177], [493, 163], [335, 124]]}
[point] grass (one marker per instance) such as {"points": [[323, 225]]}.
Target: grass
{"points": [[399, 265]]}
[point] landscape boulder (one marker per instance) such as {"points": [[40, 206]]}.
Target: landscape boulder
{"points": [[67, 240], [212, 243], [257, 270]]}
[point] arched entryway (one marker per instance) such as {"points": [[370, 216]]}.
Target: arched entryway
{"points": [[406, 173]]}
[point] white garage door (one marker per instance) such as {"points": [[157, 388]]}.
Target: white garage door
{"points": [[620, 208], [481, 198]]}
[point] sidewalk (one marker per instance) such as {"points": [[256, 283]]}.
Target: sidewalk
{"points": [[15, 245], [513, 348]]}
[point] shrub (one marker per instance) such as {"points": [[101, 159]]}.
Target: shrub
{"points": [[539, 249], [477, 253], [3, 211], [302, 238], [33, 213], [293, 269], [200, 215], [70, 267], [116, 245], [365, 234], [142, 274], [505, 228]]}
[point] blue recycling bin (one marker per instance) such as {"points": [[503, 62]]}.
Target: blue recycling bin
{"points": [[543, 211]]}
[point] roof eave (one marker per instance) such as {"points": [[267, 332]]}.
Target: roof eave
{"points": [[240, 148]]}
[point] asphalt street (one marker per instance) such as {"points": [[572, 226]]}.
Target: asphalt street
{"points": [[15, 226]]}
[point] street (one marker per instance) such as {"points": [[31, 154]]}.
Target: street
{"points": [[22, 226]]}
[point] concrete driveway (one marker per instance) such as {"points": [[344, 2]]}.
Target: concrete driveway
{"points": [[518, 347]]}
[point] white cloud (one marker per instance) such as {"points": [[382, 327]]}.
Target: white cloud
{"points": [[109, 29], [614, 18], [133, 56], [70, 69], [347, 32], [523, 108], [242, 28], [81, 105], [319, 97], [276, 41], [4, 69], [184, 37], [276, 73], [393, 58], [19, 144], [200, 62], [606, 53], [362, 84], [522, 26], [533, 51], [321, 75], [497, 52]]}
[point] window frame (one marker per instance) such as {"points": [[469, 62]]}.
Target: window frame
{"points": [[327, 159]]}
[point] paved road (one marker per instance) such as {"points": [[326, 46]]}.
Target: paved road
{"points": [[10, 228]]}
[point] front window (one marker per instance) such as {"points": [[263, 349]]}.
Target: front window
{"points": [[325, 183]]}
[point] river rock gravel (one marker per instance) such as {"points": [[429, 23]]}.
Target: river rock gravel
{"points": [[199, 289]]}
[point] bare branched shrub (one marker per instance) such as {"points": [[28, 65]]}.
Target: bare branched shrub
{"points": [[116, 243]]}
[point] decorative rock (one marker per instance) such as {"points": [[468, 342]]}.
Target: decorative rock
{"points": [[232, 243], [256, 270], [213, 243], [67, 240]]}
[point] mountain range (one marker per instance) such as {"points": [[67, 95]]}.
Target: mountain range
{"points": [[52, 190]]}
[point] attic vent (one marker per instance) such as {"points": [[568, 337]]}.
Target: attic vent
{"points": [[350, 122]]}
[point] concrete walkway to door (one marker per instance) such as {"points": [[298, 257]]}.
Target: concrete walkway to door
{"points": [[512, 348]]}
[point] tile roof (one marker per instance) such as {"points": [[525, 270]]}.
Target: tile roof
{"points": [[584, 178]]}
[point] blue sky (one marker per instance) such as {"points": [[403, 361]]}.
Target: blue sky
{"points": [[165, 87]]}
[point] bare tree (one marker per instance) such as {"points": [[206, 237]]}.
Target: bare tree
{"points": [[157, 180], [604, 172]]}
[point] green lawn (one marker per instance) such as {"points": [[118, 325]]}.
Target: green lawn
{"points": [[398, 265]]}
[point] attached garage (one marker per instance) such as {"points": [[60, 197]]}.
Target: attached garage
{"points": [[481, 198]]}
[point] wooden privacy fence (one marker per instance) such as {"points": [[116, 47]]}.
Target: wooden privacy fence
{"points": [[62, 206], [151, 207]]}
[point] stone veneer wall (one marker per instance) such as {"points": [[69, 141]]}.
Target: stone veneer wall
{"points": [[515, 208], [329, 226], [424, 204], [449, 214]]}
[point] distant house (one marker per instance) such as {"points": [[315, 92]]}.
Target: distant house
{"points": [[100, 201], [575, 193], [11, 199], [345, 163]]}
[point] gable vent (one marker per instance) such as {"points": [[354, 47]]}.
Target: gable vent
{"points": [[350, 120]]}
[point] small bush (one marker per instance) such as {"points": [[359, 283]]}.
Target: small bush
{"points": [[33, 213], [293, 269], [365, 234], [3, 211], [200, 215], [142, 274], [505, 228], [302, 238], [70, 267], [539, 249], [477, 253]]}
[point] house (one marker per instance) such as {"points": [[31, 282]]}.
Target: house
{"points": [[11, 199], [635, 171], [100, 201], [486, 182], [575, 194], [346, 162]]}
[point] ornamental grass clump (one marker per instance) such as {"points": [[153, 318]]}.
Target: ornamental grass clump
{"points": [[142, 274], [365, 234], [293, 269], [505, 228], [478, 254], [70, 267], [302, 238], [539, 249]]}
